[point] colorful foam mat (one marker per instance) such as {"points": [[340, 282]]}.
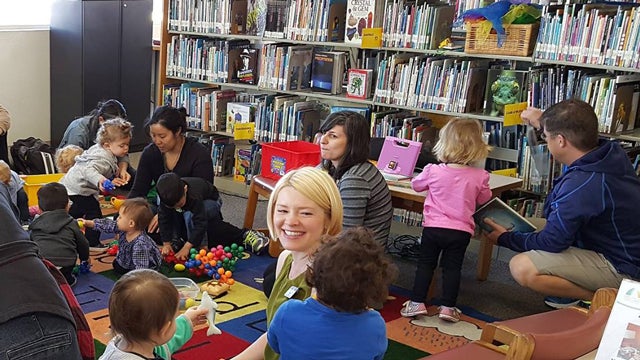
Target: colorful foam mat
{"points": [[241, 315]]}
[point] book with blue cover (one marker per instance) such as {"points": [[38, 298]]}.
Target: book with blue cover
{"points": [[502, 214]]}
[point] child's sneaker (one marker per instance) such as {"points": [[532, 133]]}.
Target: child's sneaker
{"points": [[73, 281], [412, 308], [451, 314], [256, 241], [557, 302], [100, 247]]}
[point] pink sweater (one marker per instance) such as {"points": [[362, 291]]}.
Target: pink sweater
{"points": [[454, 193]]}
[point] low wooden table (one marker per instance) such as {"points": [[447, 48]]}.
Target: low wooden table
{"points": [[401, 197]]}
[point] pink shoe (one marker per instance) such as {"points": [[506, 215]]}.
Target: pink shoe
{"points": [[451, 314]]}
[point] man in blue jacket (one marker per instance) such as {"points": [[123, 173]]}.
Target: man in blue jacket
{"points": [[591, 238]]}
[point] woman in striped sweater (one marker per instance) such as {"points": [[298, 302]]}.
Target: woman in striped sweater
{"points": [[344, 147]]}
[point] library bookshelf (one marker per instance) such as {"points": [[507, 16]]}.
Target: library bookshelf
{"points": [[440, 110]]}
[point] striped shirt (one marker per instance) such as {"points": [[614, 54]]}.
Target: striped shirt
{"points": [[366, 200], [139, 253]]}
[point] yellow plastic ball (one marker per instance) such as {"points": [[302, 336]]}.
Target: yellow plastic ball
{"points": [[179, 267], [189, 303]]}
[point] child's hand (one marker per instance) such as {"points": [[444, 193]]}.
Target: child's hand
{"points": [[166, 249], [197, 316], [87, 223]]}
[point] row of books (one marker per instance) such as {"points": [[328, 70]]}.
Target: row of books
{"points": [[419, 26], [211, 108], [306, 20], [212, 60], [448, 84], [601, 34], [614, 98], [287, 118]]}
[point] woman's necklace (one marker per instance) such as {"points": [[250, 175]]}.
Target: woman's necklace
{"points": [[171, 158]]}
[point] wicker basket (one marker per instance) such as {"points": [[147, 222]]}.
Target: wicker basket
{"points": [[520, 40]]}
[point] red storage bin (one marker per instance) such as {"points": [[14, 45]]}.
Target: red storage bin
{"points": [[280, 157]]}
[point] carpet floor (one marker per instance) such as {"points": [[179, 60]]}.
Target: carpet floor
{"points": [[241, 315]]}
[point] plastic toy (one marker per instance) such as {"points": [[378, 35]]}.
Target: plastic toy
{"points": [[82, 268], [208, 303], [113, 248], [117, 202], [108, 185], [218, 263]]}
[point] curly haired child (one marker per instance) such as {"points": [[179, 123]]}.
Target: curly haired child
{"points": [[85, 179], [350, 274], [456, 188], [145, 329], [65, 157]]}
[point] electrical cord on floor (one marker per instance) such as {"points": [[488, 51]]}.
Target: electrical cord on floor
{"points": [[405, 246]]}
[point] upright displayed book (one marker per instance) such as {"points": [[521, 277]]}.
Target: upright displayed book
{"points": [[503, 215], [362, 14], [256, 17], [239, 113], [243, 66], [326, 71], [624, 113], [335, 21], [298, 74], [503, 87], [359, 83]]}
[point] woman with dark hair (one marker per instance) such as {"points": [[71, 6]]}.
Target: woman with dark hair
{"points": [[344, 148], [171, 151], [82, 132]]}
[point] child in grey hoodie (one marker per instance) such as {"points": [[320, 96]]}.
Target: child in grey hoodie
{"points": [[57, 234], [86, 178]]}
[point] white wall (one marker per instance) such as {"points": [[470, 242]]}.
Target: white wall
{"points": [[24, 82]]}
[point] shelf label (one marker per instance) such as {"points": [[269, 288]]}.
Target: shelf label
{"points": [[244, 131], [371, 38], [512, 113]]}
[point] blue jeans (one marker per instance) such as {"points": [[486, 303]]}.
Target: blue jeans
{"points": [[214, 212], [38, 336]]}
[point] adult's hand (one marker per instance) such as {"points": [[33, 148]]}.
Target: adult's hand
{"points": [[531, 116], [496, 232], [124, 175], [153, 225]]}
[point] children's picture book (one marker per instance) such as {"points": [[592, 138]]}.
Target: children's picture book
{"points": [[239, 16], [503, 87], [625, 104], [503, 215], [242, 168], [239, 113], [359, 83], [256, 17], [621, 338]]}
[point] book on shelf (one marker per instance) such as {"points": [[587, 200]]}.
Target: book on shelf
{"points": [[359, 83], [624, 112], [336, 21], [219, 101], [362, 14], [298, 75], [440, 25], [326, 71], [504, 86], [276, 18], [243, 65], [239, 113], [239, 16], [222, 155], [256, 17], [503, 215], [242, 168]]}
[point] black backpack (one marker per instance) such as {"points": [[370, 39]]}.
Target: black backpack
{"points": [[32, 156]]}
